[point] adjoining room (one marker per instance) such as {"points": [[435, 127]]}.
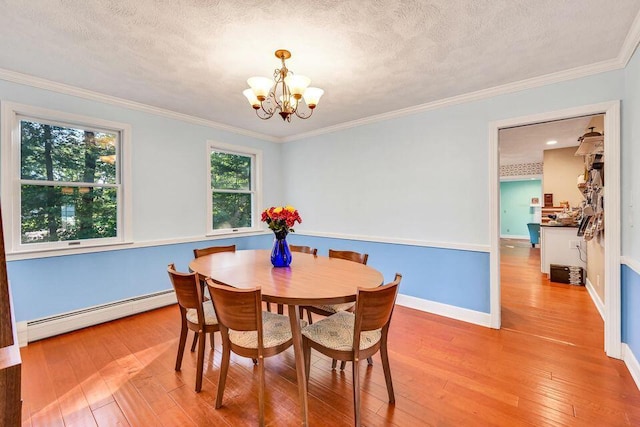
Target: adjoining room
{"points": [[319, 213]]}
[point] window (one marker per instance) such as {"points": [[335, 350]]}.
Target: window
{"points": [[233, 188], [63, 177]]}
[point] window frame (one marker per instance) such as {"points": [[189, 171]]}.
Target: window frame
{"points": [[11, 176], [256, 187]]}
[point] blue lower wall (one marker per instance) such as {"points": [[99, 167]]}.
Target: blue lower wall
{"points": [[448, 276], [631, 309], [48, 286]]}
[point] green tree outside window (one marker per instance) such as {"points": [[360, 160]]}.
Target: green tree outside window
{"points": [[69, 183], [232, 190]]}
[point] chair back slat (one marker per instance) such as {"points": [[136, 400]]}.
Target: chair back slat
{"points": [[237, 309], [304, 249], [375, 306], [187, 288], [197, 253], [349, 256]]}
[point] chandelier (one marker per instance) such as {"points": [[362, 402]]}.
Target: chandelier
{"points": [[283, 93]]}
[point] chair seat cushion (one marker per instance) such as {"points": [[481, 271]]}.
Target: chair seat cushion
{"points": [[275, 327], [335, 308], [209, 314], [336, 332]]}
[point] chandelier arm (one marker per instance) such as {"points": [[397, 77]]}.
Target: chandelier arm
{"points": [[265, 116], [272, 100], [268, 110], [270, 105], [303, 116]]}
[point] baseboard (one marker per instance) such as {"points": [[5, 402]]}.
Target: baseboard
{"points": [[453, 312], [55, 325], [515, 237], [595, 297], [23, 337], [632, 363]]}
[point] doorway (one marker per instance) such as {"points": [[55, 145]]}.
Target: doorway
{"points": [[611, 110]]}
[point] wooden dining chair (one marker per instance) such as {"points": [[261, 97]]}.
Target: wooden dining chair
{"points": [[352, 337], [247, 331], [329, 309], [197, 253], [349, 256], [303, 249], [195, 315]]}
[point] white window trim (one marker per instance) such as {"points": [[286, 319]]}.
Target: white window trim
{"points": [[10, 178], [257, 186]]}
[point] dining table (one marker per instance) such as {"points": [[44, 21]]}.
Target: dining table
{"points": [[309, 280]]}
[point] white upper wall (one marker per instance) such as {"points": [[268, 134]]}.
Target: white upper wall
{"points": [[169, 175], [424, 176], [630, 154]]}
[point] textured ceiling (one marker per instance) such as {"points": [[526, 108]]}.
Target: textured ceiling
{"points": [[371, 57]]}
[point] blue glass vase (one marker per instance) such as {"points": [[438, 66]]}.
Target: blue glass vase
{"points": [[280, 254]]}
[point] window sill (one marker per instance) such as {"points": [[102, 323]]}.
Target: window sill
{"points": [[244, 232], [74, 250], [47, 253]]}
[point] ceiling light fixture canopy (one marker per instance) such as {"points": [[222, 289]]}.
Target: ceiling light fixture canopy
{"points": [[282, 93]]}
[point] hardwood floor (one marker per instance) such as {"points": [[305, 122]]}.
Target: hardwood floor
{"points": [[546, 367], [531, 304]]}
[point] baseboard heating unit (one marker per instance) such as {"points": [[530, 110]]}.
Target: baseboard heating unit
{"points": [[54, 325]]}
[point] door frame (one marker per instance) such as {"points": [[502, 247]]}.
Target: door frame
{"points": [[612, 297]]}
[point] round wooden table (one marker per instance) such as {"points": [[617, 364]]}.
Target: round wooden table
{"points": [[310, 280]]}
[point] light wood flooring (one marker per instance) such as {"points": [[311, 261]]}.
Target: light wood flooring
{"points": [[546, 367]]}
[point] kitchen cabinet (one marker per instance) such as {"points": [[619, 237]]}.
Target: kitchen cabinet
{"points": [[558, 246]]}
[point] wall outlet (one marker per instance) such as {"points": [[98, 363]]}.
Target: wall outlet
{"points": [[573, 244]]}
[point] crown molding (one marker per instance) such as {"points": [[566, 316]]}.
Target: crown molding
{"points": [[534, 82], [630, 42], [624, 56], [40, 83]]}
